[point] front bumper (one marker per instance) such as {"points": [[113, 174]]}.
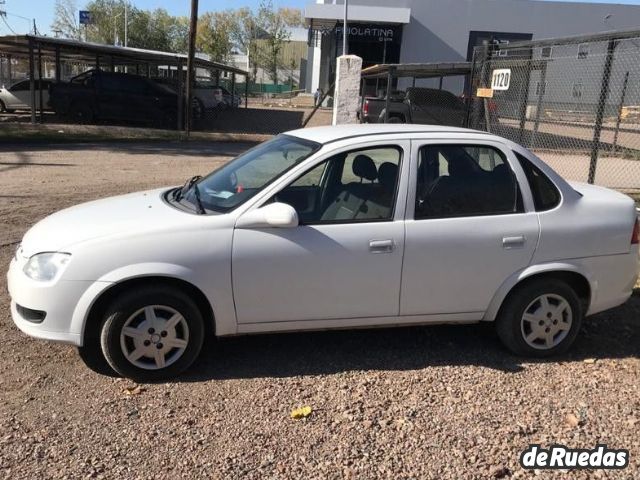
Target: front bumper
{"points": [[59, 299]]}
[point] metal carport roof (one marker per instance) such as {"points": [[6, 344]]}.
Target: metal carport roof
{"points": [[417, 70], [86, 51]]}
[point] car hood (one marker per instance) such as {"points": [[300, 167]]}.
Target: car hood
{"points": [[134, 212]]}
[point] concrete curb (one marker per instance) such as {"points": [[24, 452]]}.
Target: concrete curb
{"points": [[63, 133]]}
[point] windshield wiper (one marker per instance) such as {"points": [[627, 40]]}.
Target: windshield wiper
{"points": [[179, 193], [196, 193]]}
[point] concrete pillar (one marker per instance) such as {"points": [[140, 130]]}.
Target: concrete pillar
{"points": [[347, 89], [314, 63]]}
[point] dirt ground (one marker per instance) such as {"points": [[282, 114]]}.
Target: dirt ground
{"points": [[437, 402]]}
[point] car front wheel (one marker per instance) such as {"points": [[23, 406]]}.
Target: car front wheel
{"points": [[152, 334], [540, 319]]}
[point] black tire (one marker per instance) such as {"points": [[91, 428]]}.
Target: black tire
{"points": [[81, 113], [395, 120], [4, 109], [168, 120], [512, 329], [197, 110], [125, 307], [92, 356]]}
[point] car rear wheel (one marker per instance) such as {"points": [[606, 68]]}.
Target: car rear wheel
{"points": [[197, 109], [152, 334], [540, 319], [81, 113]]}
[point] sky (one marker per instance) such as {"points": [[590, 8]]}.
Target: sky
{"points": [[20, 12]]}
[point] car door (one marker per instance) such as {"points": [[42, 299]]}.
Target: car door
{"points": [[19, 95], [344, 260], [469, 227], [110, 96]]}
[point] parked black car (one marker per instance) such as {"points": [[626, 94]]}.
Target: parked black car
{"points": [[98, 95], [418, 105]]}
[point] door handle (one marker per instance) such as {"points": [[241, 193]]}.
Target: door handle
{"points": [[513, 242], [381, 246]]}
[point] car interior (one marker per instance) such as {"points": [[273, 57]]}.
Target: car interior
{"points": [[458, 180], [347, 187]]}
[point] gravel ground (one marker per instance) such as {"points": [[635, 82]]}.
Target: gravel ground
{"points": [[437, 402]]}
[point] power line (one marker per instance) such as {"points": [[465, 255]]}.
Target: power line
{"points": [[4, 20]]}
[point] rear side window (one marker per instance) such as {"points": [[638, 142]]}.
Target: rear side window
{"points": [[545, 194], [465, 180]]}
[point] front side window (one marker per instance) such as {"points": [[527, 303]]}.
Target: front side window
{"points": [[465, 180], [20, 86], [242, 178], [356, 186]]}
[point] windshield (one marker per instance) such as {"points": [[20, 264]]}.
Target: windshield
{"points": [[243, 177]]}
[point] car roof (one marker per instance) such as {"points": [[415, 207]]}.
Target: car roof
{"points": [[330, 134]]}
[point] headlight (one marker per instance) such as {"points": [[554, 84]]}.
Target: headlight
{"points": [[45, 266]]}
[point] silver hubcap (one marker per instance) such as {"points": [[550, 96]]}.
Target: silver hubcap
{"points": [[546, 321], [154, 337]]}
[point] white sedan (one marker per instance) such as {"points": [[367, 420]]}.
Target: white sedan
{"points": [[18, 96], [330, 227]]}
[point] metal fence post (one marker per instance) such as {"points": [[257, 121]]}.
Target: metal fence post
{"points": [[485, 81], [58, 65], [233, 89], [468, 89], [40, 99], [539, 105], [525, 98], [602, 101], [180, 96], [246, 91], [388, 95], [32, 83], [623, 94]]}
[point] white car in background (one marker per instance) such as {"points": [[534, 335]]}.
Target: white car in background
{"points": [[330, 227], [18, 96]]}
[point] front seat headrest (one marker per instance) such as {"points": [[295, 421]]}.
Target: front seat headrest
{"points": [[387, 174], [364, 167]]}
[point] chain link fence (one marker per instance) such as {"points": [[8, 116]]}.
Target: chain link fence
{"points": [[575, 102]]}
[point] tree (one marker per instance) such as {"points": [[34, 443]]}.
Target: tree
{"points": [[149, 29], [214, 35], [244, 33], [292, 17], [65, 19], [277, 34]]}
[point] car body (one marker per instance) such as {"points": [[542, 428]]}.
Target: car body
{"points": [[428, 106], [207, 96], [230, 100], [18, 95], [96, 94], [333, 227]]}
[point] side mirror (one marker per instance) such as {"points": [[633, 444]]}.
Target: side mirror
{"points": [[274, 215]]}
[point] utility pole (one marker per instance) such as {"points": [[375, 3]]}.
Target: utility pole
{"points": [[344, 28], [193, 25]]}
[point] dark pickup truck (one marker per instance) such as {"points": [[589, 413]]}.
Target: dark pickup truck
{"points": [[428, 106], [98, 95]]}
